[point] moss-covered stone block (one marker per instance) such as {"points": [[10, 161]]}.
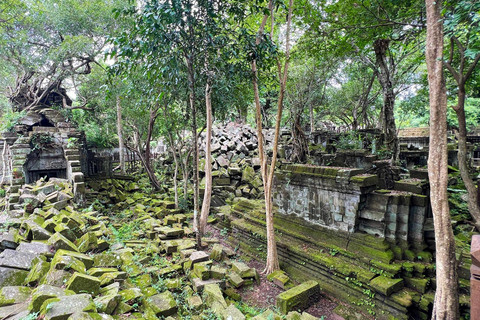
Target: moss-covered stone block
{"points": [[202, 270], [82, 283], [44, 292], [217, 272], [213, 295], [39, 270], [61, 308], [386, 286], [87, 260], [131, 294], [235, 280], [108, 303], [14, 294], [68, 263], [162, 304], [417, 284], [299, 297]]}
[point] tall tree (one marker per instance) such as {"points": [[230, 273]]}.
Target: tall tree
{"points": [[463, 29], [268, 171], [446, 295]]}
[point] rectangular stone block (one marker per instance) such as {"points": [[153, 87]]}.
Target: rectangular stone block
{"points": [[299, 297]]}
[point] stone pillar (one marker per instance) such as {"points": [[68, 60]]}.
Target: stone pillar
{"points": [[475, 278]]}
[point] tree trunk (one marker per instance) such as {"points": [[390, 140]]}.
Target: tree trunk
{"points": [[463, 158], [191, 86], [385, 78], [207, 197], [312, 123], [446, 295], [121, 145]]}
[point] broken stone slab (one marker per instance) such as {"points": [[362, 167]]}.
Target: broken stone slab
{"points": [[97, 272], [61, 308], [56, 277], [14, 294], [202, 270], [240, 268], [83, 283], [131, 294], [235, 280], [68, 263], [217, 272], [217, 252], [194, 302], [87, 260], [162, 304], [90, 316], [170, 232], [58, 241], [232, 313], [107, 260], [14, 311], [198, 256], [279, 278], [14, 259], [44, 292], [36, 248], [38, 271], [7, 240], [213, 295], [299, 297], [107, 303], [199, 285]]}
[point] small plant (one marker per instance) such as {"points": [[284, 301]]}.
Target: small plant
{"points": [[2, 193], [72, 143], [223, 232], [333, 252], [349, 141], [30, 316], [39, 141]]}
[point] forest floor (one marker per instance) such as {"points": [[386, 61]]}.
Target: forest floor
{"points": [[262, 295]]}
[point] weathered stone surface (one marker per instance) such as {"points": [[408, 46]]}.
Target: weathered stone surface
{"points": [[14, 259], [163, 304], [131, 294], [87, 260], [36, 248], [44, 292], [107, 260], [198, 256], [12, 277], [235, 279], [61, 308], [13, 295], [107, 303], [15, 310], [232, 313], [68, 263], [212, 294], [217, 272], [90, 316], [299, 297], [58, 241], [202, 270], [385, 285], [39, 270], [217, 252], [80, 283]]}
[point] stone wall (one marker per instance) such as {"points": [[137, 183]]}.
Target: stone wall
{"points": [[345, 199], [330, 197]]}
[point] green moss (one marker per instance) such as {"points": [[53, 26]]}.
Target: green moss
{"points": [[386, 285]]}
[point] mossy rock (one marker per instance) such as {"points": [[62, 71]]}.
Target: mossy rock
{"points": [[386, 286], [80, 283], [162, 304], [14, 294], [299, 297]]}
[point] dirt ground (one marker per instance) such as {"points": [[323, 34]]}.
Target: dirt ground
{"points": [[263, 295]]}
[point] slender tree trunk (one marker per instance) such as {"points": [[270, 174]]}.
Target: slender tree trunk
{"points": [[463, 156], [121, 145], [312, 123], [446, 295], [207, 197], [191, 86], [272, 263], [385, 78]]}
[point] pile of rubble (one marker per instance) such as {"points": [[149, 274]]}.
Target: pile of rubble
{"points": [[57, 262]]}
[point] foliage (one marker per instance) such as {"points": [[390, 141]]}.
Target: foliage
{"points": [[40, 141], [349, 141], [9, 119]]}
